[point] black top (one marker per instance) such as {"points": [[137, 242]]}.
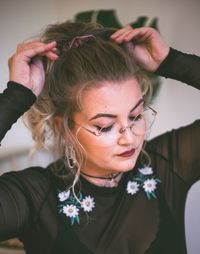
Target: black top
{"points": [[119, 222]]}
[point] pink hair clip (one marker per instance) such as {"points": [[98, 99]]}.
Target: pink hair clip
{"points": [[79, 40]]}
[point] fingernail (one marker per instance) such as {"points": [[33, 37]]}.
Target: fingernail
{"points": [[52, 42]]}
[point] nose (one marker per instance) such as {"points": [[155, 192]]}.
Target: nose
{"points": [[126, 137]]}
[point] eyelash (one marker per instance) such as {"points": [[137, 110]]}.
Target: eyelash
{"points": [[104, 129], [136, 118], [108, 128]]}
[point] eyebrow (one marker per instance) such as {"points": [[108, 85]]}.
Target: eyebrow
{"points": [[114, 116]]}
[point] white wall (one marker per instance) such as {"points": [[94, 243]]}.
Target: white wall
{"points": [[179, 23]]}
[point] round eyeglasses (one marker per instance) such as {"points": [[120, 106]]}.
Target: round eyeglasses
{"points": [[139, 125]]}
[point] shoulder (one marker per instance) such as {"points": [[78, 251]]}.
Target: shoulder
{"points": [[38, 181], [28, 187], [166, 144], [178, 151], [28, 180]]}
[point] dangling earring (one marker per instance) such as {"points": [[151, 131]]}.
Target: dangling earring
{"points": [[70, 156]]}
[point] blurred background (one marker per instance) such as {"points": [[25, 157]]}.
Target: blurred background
{"points": [[177, 20]]}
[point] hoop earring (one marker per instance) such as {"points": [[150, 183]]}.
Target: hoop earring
{"points": [[70, 156]]}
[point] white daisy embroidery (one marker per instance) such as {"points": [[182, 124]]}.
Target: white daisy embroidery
{"points": [[70, 204], [146, 170], [149, 185], [88, 204], [64, 195], [71, 211], [143, 178], [132, 187]]}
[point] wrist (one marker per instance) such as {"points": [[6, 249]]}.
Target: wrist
{"points": [[166, 63], [19, 79], [20, 87], [163, 55], [25, 84]]}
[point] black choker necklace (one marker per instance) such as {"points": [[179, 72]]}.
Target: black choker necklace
{"points": [[112, 177]]}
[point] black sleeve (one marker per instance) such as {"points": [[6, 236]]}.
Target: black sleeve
{"points": [[22, 194], [14, 210], [14, 101], [182, 67], [179, 148]]}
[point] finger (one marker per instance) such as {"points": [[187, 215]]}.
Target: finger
{"points": [[121, 31], [141, 34], [28, 44], [36, 50], [133, 36], [122, 37], [32, 45], [51, 55]]}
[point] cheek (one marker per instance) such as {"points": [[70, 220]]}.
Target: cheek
{"points": [[93, 150], [86, 140], [90, 143]]}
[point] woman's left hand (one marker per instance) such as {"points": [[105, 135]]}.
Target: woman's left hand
{"points": [[146, 45]]}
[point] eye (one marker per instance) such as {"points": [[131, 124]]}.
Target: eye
{"points": [[104, 129], [136, 118]]}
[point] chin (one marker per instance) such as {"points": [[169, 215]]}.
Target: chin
{"points": [[126, 166]]}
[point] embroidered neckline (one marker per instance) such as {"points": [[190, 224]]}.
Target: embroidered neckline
{"points": [[71, 205], [143, 179]]}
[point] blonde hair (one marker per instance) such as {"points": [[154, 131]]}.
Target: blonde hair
{"points": [[67, 78]]}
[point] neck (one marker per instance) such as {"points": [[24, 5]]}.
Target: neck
{"points": [[109, 181]]}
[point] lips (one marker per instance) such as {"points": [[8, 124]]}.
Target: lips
{"points": [[127, 153]]}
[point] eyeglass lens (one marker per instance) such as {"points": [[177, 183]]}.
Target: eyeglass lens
{"points": [[139, 125]]}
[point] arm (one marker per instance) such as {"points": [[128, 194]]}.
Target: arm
{"points": [[153, 54], [26, 81], [14, 210], [14, 101], [180, 149], [182, 67], [22, 196]]}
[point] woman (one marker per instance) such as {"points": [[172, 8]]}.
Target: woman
{"points": [[104, 195]]}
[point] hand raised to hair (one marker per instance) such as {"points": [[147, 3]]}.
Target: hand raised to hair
{"points": [[146, 45], [25, 66]]}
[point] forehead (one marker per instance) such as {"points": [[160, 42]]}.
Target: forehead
{"points": [[111, 97]]}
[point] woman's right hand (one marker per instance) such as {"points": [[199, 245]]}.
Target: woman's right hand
{"points": [[26, 67]]}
